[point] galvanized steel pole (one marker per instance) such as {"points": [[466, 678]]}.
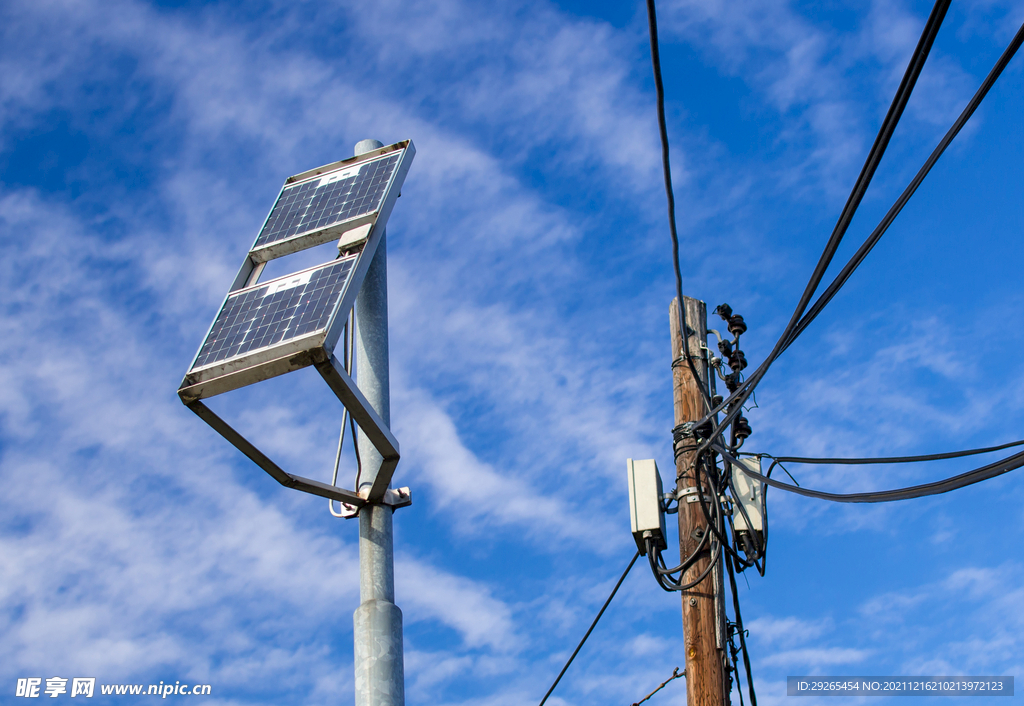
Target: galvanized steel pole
{"points": [[379, 667]]}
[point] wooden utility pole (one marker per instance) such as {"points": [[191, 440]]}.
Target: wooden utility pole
{"points": [[702, 614]]}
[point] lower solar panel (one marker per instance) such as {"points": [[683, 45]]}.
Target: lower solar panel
{"points": [[276, 312]]}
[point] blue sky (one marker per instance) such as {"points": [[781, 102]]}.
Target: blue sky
{"points": [[141, 146]]}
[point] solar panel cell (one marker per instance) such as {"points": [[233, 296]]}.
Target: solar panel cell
{"points": [[275, 312], [328, 200]]}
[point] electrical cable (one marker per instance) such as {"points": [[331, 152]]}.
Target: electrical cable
{"points": [[716, 524], [687, 563], [740, 632], [591, 628], [659, 87], [890, 459], [733, 651], [785, 470], [715, 532], [800, 320], [662, 570], [759, 562], [355, 448], [675, 675], [911, 188], [885, 132], [894, 211], [671, 586], [337, 462], [963, 480], [347, 355]]}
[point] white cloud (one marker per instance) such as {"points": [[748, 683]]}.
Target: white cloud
{"points": [[524, 369], [120, 576], [472, 490], [810, 659], [811, 73], [481, 619], [786, 631]]}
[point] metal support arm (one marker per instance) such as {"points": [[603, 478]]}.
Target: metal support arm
{"points": [[368, 420], [288, 480]]}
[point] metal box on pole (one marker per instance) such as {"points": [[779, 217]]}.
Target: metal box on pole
{"points": [[645, 498]]}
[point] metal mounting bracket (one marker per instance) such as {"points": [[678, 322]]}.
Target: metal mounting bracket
{"points": [[394, 498], [399, 497], [691, 495]]}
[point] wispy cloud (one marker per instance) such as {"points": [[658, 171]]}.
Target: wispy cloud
{"points": [[812, 659], [529, 284], [786, 631]]}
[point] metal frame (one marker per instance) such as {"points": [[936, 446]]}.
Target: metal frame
{"points": [[363, 413], [245, 370], [315, 349]]}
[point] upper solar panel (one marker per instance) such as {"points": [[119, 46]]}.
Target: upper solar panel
{"points": [[330, 199], [276, 312]]}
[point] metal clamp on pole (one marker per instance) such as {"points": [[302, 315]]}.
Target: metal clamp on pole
{"points": [[691, 495], [399, 497]]}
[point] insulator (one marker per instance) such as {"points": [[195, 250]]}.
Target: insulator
{"points": [[732, 381], [724, 310], [716, 400], [737, 361], [737, 325], [725, 347], [741, 427]]}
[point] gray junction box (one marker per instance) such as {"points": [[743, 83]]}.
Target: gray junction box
{"points": [[645, 509], [748, 493]]}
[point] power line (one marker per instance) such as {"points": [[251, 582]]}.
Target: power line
{"points": [[666, 167], [885, 132], [897, 207], [963, 480], [591, 628], [801, 318], [675, 675], [888, 459], [894, 211], [743, 637]]}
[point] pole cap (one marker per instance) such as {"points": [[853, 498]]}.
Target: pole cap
{"points": [[364, 146]]}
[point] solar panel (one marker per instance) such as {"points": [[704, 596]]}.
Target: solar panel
{"points": [[275, 312], [267, 329], [329, 199]]}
